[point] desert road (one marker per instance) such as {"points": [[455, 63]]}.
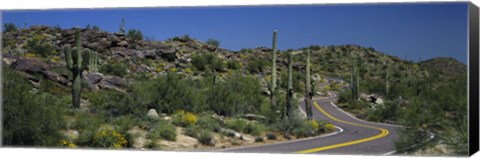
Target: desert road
{"points": [[353, 137]]}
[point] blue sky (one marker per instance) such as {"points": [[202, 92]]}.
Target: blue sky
{"points": [[424, 30]]}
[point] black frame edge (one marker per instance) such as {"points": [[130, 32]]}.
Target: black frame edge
{"points": [[473, 40]]}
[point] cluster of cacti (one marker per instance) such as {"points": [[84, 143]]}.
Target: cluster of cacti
{"points": [[308, 93], [289, 95], [273, 84], [76, 65], [93, 61]]}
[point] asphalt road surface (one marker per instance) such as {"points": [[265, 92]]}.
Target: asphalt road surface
{"points": [[353, 137]]}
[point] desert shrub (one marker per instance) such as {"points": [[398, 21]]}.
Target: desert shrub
{"points": [[203, 135], [134, 34], [314, 124], [207, 61], [163, 130], [116, 68], [30, 117], [188, 71], [113, 103], [38, 45], [297, 126], [254, 128], [305, 129], [67, 143], [256, 65], [236, 95], [169, 93], [184, 119], [233, 64], [236, 124], [271, 136], [208, 122], [329, 127], [108, 137], [213, 42], [9, 27]]}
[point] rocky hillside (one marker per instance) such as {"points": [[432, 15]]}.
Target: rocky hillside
{"points": [[38, 51]]}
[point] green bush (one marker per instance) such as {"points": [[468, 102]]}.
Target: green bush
{"points": [[184, 119], [108, 137], [30, 118], [213, 42], [207, 61], [116, 68], [39, 46], [169, 93], [163, 130], [233, 64], [9, 27], [113, 103], [256, 65], [134, 34], [205, 137], [238, 125], [236, 95], [255, 129], [208, 122]]}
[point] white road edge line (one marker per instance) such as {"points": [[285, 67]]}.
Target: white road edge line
{"points": [[340, 130]]}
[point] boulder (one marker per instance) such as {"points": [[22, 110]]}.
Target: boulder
{"points": [[29, 65], [113, 82], [94, 78], [152, 113], [55, 77], [231, 133], [254, 117], [123, 44]]}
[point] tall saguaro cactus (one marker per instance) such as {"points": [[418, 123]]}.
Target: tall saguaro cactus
{"points": [[76, 65], [273, 84], [354, 81], [308, 93], [122, 27], [386, 75], [289, 96]]}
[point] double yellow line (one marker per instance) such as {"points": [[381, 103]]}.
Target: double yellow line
{"points": [[384, 132]]}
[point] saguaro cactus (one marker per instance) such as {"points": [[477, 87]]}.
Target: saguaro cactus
{"points": [[122, 27], [93, 61], [76, 65], [308, 93], [354, 81], [289, 96], [273, 84]]}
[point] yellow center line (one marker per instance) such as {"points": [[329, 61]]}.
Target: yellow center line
{"points": [[384, 132]]}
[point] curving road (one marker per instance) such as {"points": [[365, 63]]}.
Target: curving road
{"points": [[353, 136]]}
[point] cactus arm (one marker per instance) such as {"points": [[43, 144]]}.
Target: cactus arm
{"points": [[68, 56], [85, 63], [78, 49]]}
